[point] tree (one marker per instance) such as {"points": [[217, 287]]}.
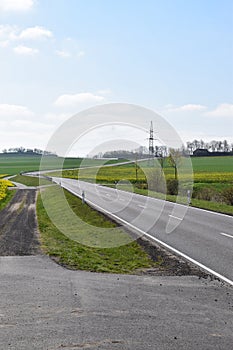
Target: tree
{"points": [[225, 146], [190, 147], [174, 159]]}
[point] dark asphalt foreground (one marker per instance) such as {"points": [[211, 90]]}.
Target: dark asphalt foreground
{"points": [[44, 306]]}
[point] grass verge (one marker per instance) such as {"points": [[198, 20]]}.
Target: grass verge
{"points": [[124, 259], [30, 180], [7, 199], [198, 203]]}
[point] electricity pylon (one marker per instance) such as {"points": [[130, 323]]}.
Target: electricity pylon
{"points": [[151, 141]]}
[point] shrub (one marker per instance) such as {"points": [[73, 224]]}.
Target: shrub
{"points": [[172, 186], [228, 195], [208, 194]]}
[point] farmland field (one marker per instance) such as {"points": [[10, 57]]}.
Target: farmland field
{"points": [[4, 184], [213, 164], [205, 170], [14, 164], [213, 176]]}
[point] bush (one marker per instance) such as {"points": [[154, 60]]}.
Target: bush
{"points": [[172, 186], [208, 194], [228, 195]]}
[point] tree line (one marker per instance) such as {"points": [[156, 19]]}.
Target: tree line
{"points": [[163, 151], [212, 146], [23, 150]]}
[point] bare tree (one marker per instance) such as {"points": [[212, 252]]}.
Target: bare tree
{"points": [[174, 159]]}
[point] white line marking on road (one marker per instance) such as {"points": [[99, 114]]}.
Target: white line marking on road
{"points": [[175, 217], [141, 206], [225, 234]]}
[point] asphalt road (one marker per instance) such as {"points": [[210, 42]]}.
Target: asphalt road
{"points": [[201, 235]]}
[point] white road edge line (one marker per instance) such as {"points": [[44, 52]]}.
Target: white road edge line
{"points": [[206, 268], [175, 217], [225, 234]]}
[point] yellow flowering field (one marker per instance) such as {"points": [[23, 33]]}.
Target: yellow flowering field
{"points": [[111, 174], [4, 184]]}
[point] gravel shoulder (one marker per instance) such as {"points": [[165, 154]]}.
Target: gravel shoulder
{"points": [[18, 225]]}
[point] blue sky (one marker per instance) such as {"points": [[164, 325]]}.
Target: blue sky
{"points": [[61, 56]]}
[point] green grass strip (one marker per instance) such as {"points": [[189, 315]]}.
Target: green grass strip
{"points": [[124, 259], [3, 202], [30, 180]]}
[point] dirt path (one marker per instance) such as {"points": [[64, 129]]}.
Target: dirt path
{"points": [[18, 227]]}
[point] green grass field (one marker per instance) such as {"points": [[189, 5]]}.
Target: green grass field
{"points": [[213, 164], [14, 164]]}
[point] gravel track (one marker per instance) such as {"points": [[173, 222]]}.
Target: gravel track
{"points": [[18, 225]]}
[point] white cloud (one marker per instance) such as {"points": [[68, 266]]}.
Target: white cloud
{"points": [[14, 111], [35, 33], [16, 5], [78, 99], [63, 54], [55, 118], [222, 110], [69, 48], [186, 108], [69, 54], [13, 33], [4, 43], [25, 50], [8, 32]]}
